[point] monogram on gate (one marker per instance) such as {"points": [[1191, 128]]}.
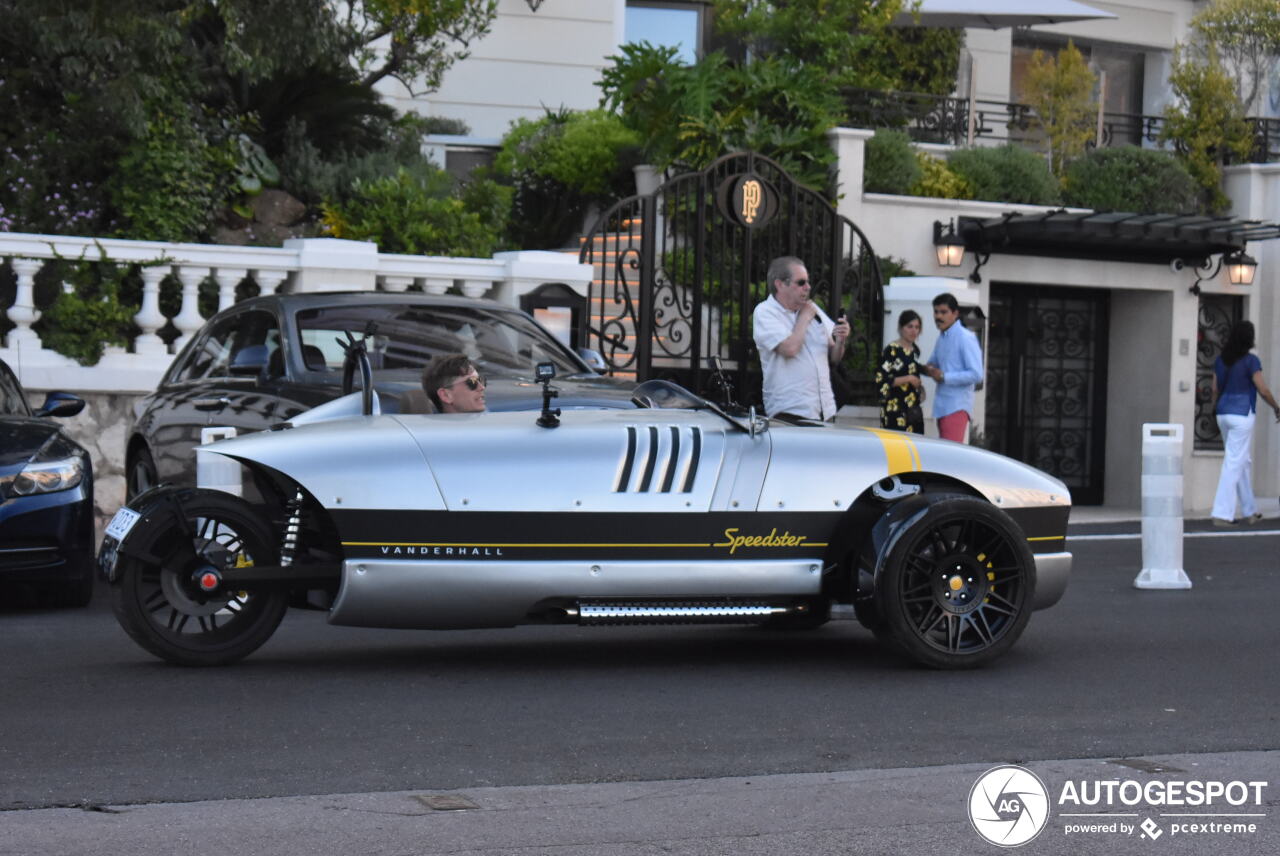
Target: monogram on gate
{"points": [[752, 197], [748, 200]]}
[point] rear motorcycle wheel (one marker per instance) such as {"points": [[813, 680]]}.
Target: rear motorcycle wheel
{"points": [[163, 610]]}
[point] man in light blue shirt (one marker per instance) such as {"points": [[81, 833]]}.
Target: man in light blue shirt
{"points": [[956, 366]]}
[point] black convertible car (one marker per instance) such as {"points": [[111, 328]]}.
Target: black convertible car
{"points": [[267, 359], [46, 497]]}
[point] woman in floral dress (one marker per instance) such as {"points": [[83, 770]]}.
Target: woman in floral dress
{"points": [[898, 378]]}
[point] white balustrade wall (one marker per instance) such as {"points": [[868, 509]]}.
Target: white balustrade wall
{"points": [[301, 265]]}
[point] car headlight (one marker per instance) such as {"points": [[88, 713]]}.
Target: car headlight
{"points": [[44, 477]]}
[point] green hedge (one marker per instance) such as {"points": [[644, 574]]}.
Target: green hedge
{"points": [[1129, 178], [891, 165], [939, 181], [1006, 174]]}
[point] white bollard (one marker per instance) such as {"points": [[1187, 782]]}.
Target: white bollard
{"points": [[1162, 509], [214, 471]]}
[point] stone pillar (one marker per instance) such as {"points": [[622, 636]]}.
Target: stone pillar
{"points": [[23, 312], [850, 146], [269, 281], [228, 279], [189, 319], [476, 288], [331, 264], [395, 283], [149, 317], [648, 179], [528, 269]]}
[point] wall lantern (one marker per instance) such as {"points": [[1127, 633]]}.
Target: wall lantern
{"points": [[1240, 267], [947, 244]]}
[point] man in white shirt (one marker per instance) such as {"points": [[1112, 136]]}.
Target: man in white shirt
{"points": [[798, 344]]}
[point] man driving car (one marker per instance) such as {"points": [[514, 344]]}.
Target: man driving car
{"points": [[454, 385]]}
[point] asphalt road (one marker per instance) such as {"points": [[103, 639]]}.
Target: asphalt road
{"points": [[1111, 672]]}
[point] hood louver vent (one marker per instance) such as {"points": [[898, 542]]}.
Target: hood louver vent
{"points": [[659, 459]]}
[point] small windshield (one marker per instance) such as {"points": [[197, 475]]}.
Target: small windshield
{"points": [[665, 395], [408, 336]]}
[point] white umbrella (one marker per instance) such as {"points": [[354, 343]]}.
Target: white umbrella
{"points": [[997, 14]]}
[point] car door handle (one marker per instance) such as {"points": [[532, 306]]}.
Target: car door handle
{"points": [[210, 403]]}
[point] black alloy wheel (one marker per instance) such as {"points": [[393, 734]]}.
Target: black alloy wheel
{"points": [[957, 587], [163, 609]]}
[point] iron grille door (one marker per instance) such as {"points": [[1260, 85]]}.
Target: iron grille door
{"points": [[1046, 393]]}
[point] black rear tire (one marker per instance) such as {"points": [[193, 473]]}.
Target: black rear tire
{"points": [[163, 611], [957, 586]]}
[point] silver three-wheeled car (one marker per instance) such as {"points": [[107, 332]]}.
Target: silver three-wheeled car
{"points": [[675, 511]]}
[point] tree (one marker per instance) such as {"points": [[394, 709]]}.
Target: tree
{"points": [[1060, 91], [185, 94], [777, 85], [690, 115], [413, 41], [1246, 35], [851, 42], [1206, 121]]}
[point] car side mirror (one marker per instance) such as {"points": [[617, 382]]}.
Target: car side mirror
{"points": [[249, 361], [594, 360], [61, 404]]}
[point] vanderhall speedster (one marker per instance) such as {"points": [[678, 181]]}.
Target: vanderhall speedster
{"points": [[675, 511]]}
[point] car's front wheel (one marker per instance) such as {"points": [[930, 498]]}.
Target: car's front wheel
{"points": [[162, 608], [956, 588]]}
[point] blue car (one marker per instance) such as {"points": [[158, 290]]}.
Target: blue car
{"points": [[46, 497]]}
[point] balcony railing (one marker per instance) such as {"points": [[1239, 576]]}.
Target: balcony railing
{"points": [[963, 121]]}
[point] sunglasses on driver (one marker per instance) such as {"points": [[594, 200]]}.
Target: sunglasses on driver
{"points": [[474, 382]]}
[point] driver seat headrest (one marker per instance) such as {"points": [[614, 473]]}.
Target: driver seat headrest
{"points": [[416, 401]]}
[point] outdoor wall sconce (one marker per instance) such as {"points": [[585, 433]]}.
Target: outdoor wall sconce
{"points": [[1240, 269], [533, 4], [947, 244]]}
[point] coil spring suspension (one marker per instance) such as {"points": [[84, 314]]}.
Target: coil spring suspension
{"points": [[293, 524]]}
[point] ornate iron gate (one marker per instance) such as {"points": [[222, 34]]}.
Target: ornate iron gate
{"points": [[1046, 382], [679, 271]]}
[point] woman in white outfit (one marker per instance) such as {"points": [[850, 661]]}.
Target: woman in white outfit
{"points": [[1237, 383]]}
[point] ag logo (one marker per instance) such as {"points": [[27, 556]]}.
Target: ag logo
{"points": [[1008, 806]]}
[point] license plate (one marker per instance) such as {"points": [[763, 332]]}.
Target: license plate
{"points": [[121, 524]]}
